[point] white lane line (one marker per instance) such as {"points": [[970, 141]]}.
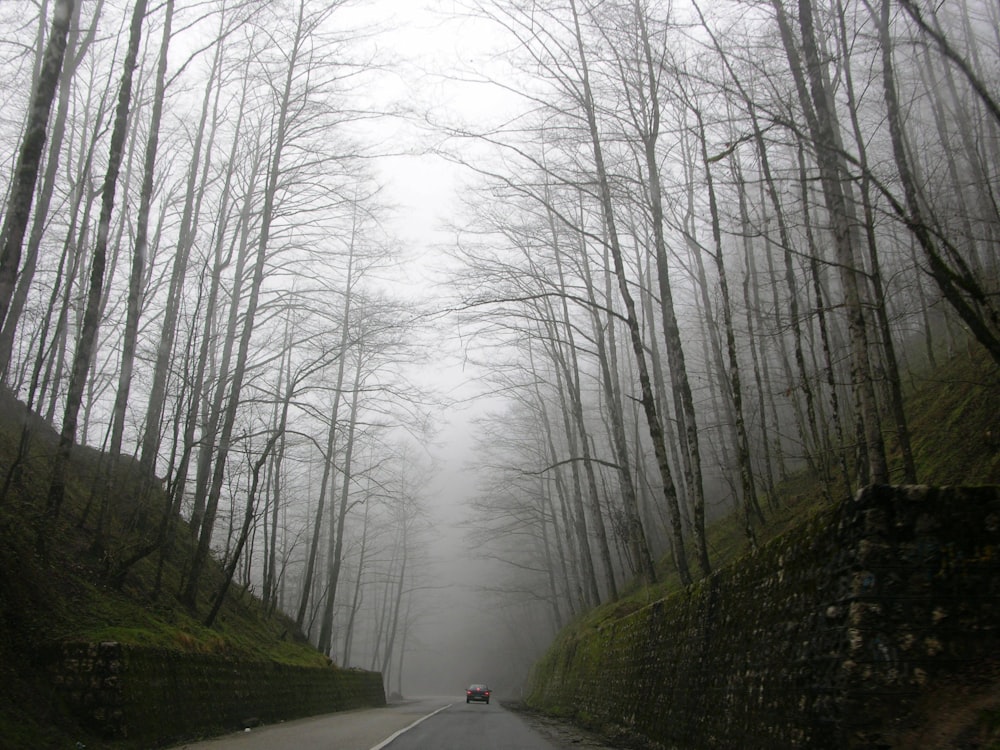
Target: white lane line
{"points": [[389, 739]]}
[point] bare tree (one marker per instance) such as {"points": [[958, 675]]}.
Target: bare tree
{"points": [[635, 334], [817, 102], [88, 333], [29, 157]]}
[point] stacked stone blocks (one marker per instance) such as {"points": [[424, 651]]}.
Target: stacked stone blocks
{"points": [[150, 697], [824, 638]]}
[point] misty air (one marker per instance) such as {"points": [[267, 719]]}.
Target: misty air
{"points": [[514, 374]]}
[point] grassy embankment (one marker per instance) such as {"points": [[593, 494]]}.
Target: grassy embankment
{"points": [[58, 583], [955, 437], [955, 434]]}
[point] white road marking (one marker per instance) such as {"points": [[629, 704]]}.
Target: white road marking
{"points": [[393, 736]]}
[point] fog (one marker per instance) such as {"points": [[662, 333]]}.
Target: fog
{"points": [[498, 311], [459, 634]]}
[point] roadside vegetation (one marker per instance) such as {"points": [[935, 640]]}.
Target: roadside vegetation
{"points": [[57, 589], [956, 441]]}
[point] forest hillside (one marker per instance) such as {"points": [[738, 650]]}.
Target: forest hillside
{"points": [[63, 581], [956, 441]]}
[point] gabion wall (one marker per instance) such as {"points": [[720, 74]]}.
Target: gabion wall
{"points": [[825, 638], [152, 697]]}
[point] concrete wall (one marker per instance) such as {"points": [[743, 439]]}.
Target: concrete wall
{"points": [[825, 638], [153, 697]]}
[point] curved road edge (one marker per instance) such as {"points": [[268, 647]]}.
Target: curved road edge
{"points": [[359, 729]]}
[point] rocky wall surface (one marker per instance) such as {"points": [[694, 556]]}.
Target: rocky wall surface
{"points": [[151, 697], [824, 638]]}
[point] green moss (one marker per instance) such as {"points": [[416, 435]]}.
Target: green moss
{"points": [[69, 588], [955, 441]]}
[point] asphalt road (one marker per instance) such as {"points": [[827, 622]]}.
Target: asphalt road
{"points": [[479, 725], [363, 729], [444, 723]]}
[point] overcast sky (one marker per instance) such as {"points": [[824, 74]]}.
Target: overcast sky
{"points": [[436, 50]]}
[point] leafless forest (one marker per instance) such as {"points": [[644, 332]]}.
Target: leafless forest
{"points": [[701, 246]]}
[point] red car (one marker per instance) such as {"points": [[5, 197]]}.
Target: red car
{"points": [[477, 693]]}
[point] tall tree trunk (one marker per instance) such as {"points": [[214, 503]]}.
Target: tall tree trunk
{"points": [[397, 604], [751, 305], [751, 506], [890, 364], [592, 596], [912, 211], [688, 419], [222, 255], [331, 436], [817, 103], [638, 544], [275, 500], [574, 591], [267, 215], [29, 157], [356, 599], [635, 334], [248, 521], [335, 556], [75, 50], [823, 325], [91, 322], [550, 574], [136, 279], [565, 356], [185, 241]]}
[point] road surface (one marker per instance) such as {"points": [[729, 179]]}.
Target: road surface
{"points": [[444, 723], [472, 725]]}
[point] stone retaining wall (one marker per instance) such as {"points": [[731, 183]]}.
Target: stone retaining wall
{"points": [[153, 697], [825, 638]]}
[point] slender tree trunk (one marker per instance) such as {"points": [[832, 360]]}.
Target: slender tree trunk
{"points": [[249, 515], [751, 505], [881, 299], [356, 599], [91, 322], [330, 440], [398, 602], [592, 596], [914, 214], [574, 591], [75, 50], [838, 449], [636, 534], [565, 356], [185, 242], [550, 575], [649, 130], [29, 157], [214, 403], [816, 99], [336, 545], [648, 402], [272, 512], [751, 303], [267, 215], [135, 289]]}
